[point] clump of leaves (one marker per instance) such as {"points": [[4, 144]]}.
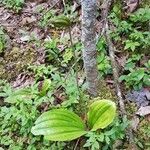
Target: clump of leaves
{"points": [[18, 116], [141, 15], [52, 52], [106, 138], [104, 65], [60, 21], [103, 61], [45, 20], [132, 61], [42, 71], [64, 125], [136, 78], [13, 4]]}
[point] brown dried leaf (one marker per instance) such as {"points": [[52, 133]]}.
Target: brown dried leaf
{"points": [[28, 20], [134, 122], [143, 111], [132, 5]]}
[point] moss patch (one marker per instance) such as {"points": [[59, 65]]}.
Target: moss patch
{"points": [[144, 133], [105, 92], [16, 61]]}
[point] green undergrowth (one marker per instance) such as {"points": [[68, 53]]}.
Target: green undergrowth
{"points": [[15, 5], [22, 106]]}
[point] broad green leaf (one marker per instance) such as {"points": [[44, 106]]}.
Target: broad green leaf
{"points": [[60, 21], [101, 114], [59, 125], [67, 136]]}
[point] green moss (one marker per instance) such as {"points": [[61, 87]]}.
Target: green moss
{"points": [[131, 108], [143, 132], [16, 61], [105, 92], [145, 3]]}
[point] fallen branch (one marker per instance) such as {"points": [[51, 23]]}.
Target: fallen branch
{"points": [[111, 49]]}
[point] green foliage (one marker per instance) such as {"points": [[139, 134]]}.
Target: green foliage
{"points": [[136, 78], [105, 139], [45, 87], [60, 21], [42, 71], [45, 20], [103, 61], [137, 39], [99, 114], [131, 45], [132, 34], [52, 52], [59, 125], [129, 32], [104, 66], [141, 15], [18, 116], [13, 4], [64, 125], [132, 61], [70, 12], [67, 56]]}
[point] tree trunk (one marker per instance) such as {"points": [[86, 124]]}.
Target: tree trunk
{"points": [[89, 42]]}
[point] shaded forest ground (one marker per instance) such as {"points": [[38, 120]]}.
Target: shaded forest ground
{"points": [[32, 51]]}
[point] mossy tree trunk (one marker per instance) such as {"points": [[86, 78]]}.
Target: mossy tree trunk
{"points": [[89, 43]]}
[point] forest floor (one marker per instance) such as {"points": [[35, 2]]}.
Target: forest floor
{"points": [[32, 51]]}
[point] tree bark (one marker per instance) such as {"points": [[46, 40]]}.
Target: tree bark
{"points": [[89, 43]]}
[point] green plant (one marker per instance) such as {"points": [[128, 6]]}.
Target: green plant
{"points": [[136, 78], [105, 139], [60, 21], [103, 61], [52, 52], [45, 19], [129, 31], [42, 71], [141, 15], [132, 45], [67, 56], [64, 125], [22, 107], [132, 61], [103, 64], [13, 4], [137, 39]]}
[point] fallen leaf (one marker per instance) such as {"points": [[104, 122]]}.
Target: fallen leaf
{"points": [[28, 20], [143, 111], [132, 5], [25, 38], [134, 122]]}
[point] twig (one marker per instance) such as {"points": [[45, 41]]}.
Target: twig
{"points": [[74, 55], [51, 7], [111, 49], [76, 144], [72, 67]]}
